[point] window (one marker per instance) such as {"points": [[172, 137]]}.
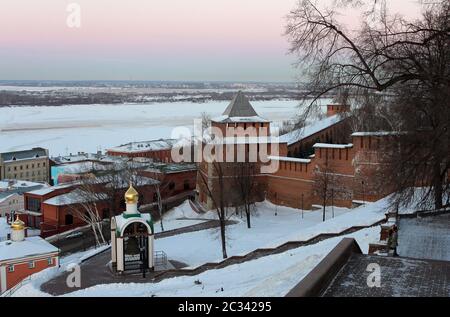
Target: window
{"points": [[50, 261], [10, 268], [171, 185], [31, 265], [68, 220], [34, 204], [186, 185]]}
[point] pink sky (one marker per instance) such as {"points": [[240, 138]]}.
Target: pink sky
{"points": [[146, 39]]}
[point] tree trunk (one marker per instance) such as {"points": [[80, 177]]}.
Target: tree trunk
{"points": [[222, 236], [437, 184], [247, 211], [324, 206]]}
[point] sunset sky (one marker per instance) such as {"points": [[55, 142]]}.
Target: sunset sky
{"points": [[231, 40]]}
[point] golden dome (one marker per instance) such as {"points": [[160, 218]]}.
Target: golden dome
{"points": [[18, 224], [131, 196]]}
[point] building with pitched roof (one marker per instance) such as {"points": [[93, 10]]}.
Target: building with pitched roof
{"points": [[23, 256]]}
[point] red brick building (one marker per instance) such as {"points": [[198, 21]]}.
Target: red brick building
{"points": [[23, 256], [351, 169]]}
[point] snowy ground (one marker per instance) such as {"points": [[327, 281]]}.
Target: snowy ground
{"points": [[87, 128], [267, 230], [272, 275], [425, 238], [31, 287]]}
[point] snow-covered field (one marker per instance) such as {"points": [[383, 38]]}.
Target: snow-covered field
{"points": [[69, 129]]}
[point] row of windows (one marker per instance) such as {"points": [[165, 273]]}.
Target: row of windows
{"points": [[27, 166], [27, 174], [31, 265]]}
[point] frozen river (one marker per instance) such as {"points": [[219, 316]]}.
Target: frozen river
{"points": [[88, 128]]}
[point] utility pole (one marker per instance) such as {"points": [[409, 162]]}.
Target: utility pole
{"points": [[276, 205], [362, 185], [302, 205], [332, 202]]}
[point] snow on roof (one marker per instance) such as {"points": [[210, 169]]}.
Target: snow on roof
{"points": [[48, 190], [145, 146], [171, 167], [80, 167], [123, 221], [299, 134], [5, 196], [75, 197], [332, 146], [376, 133], [31, 246], [24, 155], [9, 184], [289, 159]]}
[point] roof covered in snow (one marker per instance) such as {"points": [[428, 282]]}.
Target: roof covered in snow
{"points": [[24, 155], [75, 197], [289, 159], [123, 220], [239, 110], [12, 187], [168, 168], [376, 133], [48, 190], [299, 134], [145, 146], [332, 146], [31, 246]]}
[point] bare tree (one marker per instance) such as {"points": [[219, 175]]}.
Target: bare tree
{"points": [[325, 184], [406, 62], [84, 205], [244, 179], [216, 191]]}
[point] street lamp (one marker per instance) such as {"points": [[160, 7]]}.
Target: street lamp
{"points": [[363, 198], [303, 207]]}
